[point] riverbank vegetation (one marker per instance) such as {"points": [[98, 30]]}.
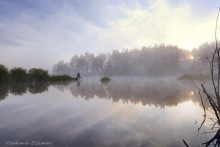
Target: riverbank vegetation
{"points": [[18, 74]]}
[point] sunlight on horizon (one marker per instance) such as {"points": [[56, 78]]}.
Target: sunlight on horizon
{"points": [[190, 57], [99, 29]]}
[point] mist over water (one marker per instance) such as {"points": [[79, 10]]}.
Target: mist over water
{"points": [[123, 112], [117, 91], [142, 102], [161, 92]]}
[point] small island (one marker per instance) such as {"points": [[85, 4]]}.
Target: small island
{"points": [[105, 79]]}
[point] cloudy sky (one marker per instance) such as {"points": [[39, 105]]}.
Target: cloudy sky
{"points": [[39, 33]]}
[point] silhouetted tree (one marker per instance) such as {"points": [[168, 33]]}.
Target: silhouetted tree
{"points": [[18, 74], [37, 74], [212, 98], [3, 74]]}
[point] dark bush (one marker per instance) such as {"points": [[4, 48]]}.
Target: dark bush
{"points": [[37, 74], [3, 73], [18, 74]]}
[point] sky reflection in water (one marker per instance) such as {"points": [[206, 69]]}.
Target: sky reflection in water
{"points": [[126, 112]]}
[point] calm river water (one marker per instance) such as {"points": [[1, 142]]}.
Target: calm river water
{"points": [[156, 112]]}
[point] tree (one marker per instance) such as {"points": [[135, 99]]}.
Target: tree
{"points": [[61, 68], [18, 74], [97, 65], [73, 64], [3, 74], [213, 98], [82, 65], [37, 74]]}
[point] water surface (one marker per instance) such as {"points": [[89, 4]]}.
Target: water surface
{"points": [[123, 112]]}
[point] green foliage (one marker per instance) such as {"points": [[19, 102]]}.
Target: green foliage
{"points": [[60, 78], [37, 74], [3, 73], [18, 74], [105, 79]]}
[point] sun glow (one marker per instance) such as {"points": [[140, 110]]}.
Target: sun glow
{"points": [[191, 93], [190, 57]]}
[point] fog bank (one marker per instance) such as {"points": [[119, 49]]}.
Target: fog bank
{"points": [[159, 60]]}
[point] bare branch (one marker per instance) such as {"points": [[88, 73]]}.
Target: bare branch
{"points": [[204, 113]]}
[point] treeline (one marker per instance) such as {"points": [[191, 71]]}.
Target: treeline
{"points": [[158, 60], [18, 74]]}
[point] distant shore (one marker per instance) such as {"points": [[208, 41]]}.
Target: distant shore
{"points": [[194, 77]]}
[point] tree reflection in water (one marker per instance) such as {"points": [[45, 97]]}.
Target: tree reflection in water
{"points": [[3, 91], [158, 92], [18, 89], [22, 88]]}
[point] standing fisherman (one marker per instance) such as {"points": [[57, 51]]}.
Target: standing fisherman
{"points": [[78, 76]]}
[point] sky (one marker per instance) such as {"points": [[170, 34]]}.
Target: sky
{"points": [[39, 33]]}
